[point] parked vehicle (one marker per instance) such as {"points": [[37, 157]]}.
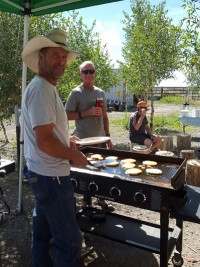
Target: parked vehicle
{"points": [[114, 105]]}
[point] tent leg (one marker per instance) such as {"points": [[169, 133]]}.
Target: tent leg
{"points": [[17, 115], [24, 74]]}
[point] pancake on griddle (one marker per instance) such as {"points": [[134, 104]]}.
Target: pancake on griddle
{"points": [[112, 157], [112, 164], [96, 157], [134, 171], [153, 171], [142, 167], [149, 163], [128, 165], [128, 161]]}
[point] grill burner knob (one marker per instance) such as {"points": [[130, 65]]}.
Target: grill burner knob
{"points": [[115, 192], [74, 182], [93, 187], [139, 197]]}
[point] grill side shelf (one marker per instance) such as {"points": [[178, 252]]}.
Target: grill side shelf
{"points": [[190, 211], [126, 230]]}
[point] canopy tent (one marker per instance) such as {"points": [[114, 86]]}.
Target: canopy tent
{"points": [[28, 8], [42, 7]]}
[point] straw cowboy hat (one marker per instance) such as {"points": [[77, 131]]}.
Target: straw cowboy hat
{"points": [[55, 38]]}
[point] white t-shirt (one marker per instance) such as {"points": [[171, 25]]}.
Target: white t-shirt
{"points": [[42, 105]]}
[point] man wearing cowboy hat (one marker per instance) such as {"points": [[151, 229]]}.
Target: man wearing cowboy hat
{"points": [[139, 130], [48, 153]]}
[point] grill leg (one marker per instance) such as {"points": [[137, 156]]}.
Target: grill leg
{"points": [[177, 259], [179, 244], [87, 200], [164, 225]]}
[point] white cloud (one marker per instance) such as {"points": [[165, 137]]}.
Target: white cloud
{"points": [[110, 35], [177, 14], [179, 80]]}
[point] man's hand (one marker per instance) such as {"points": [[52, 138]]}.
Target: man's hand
{"points": [[94, 111], [143, 112], [78, 159], [110, 144], [73, 140]]}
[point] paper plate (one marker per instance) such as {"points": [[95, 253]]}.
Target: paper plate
{"points": [[93, 140], [140, 147]]}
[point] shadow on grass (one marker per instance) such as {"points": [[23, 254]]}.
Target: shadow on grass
{"points": [[195, 139]]}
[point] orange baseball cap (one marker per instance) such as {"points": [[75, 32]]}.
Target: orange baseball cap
{"points": [[142, 104]]}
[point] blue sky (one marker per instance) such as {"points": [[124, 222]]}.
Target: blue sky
{"points": [[108, 21]]}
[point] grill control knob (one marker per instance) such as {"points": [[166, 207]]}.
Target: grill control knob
{"points": [[93, 187], [115, 192], [139, 197], [74, 182]]}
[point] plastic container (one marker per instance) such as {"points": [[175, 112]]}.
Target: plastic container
{"points": [[185, 113]]}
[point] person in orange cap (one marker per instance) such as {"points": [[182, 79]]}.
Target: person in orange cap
{"points": [[139, 130]]}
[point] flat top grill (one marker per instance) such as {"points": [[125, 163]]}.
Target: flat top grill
{"points": [[171, 168], [156, 193], [168, 172]]}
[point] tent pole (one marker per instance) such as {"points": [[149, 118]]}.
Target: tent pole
{"points": [[17, 115], [24, 74]]}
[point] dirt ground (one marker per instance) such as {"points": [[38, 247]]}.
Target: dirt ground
{"points": [[15, 229]]}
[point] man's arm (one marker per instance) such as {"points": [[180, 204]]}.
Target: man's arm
{"points": [[73, 116], [105, 122], [50, 144], [106, 128], [93, 111], [137, 124], [148, 129]]}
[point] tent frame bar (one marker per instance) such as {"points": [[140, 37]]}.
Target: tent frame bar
{"points": [[54, 5], [14, 5]]}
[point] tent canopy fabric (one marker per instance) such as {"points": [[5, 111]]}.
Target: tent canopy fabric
{"points": [[42, 7]]}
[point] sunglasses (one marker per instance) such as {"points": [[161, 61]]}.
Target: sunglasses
{"points": [[88, 71]]}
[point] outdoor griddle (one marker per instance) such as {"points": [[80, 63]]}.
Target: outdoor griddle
{"points": [[6, 166], [165, 193]]}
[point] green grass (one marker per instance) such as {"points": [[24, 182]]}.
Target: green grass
{"points": [[176, 100], [124, 122], [162, 124]]}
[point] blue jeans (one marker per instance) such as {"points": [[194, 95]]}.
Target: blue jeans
{"points": [[54, 216]]}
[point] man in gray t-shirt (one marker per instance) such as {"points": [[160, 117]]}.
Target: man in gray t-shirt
{"points": [[90, 117], [90, 120]]}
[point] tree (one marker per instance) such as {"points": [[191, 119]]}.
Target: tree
{"points": [[151, 47], [10, 66], [193, 78], [80, 38], [86, 41], [191, 43]]}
